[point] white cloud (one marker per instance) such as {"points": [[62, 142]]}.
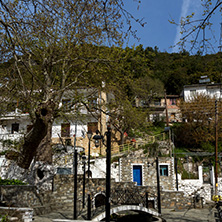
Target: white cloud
{"points": [[187, 8]]}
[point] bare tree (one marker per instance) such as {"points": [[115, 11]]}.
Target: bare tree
{"points": [[197, 33], [199, 116]]}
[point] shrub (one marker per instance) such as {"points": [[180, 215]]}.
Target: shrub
{"points": [[11, 182], [4, 218]]}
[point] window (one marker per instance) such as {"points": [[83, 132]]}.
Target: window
{"points": [[93, 126], [144, 103], [65, 130], [193, 92], [173, 117], [66, 104], [64, 171], [163, 170], [100, 200], [92, 103], [157, 102], [15, 127], [173, 102], [68, 142]]}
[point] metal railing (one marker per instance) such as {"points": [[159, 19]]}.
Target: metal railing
{"points": [[132, 197], [120, 196], [131, 146]]}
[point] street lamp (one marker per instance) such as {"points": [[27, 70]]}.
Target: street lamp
{"points": [[84, 180], [97, 138], [89, 135]]}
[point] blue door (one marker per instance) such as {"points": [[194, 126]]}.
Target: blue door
{"points": [[137, 175]]}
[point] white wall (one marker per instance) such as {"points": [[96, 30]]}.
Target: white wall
{"points": [[81, 129], [192, 187], [201, 89]]}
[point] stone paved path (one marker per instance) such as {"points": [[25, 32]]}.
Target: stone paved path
{"points": [[192, 215]]}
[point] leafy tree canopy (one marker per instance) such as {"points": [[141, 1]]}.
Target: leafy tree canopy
{"points": [[49, 47]]}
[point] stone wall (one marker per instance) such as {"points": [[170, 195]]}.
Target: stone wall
{"points": [[176, 200], [61, 197], [63, 190], [17, 214], [26, 196]]}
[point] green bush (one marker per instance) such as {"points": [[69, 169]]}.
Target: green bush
{"points": [[159, 123], [115, 159], [4, 218], [188, 175], [3, 153], [11, 182]]}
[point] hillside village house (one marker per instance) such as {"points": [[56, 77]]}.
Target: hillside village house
{"points": [[210, 89], [157, 107], [15, 124]]}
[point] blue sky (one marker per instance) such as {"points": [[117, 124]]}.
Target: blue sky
{"points": [[159, 31]]}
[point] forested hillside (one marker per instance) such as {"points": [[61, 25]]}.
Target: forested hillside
{"points": [[175, 70]]}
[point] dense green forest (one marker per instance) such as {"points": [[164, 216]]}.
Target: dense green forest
{"points": [[175, 70]]}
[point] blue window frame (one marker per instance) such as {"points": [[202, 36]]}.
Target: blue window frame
{"points": [[164, 170]]}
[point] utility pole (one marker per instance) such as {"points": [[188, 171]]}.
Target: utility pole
{"points": [[167, 120], [158, 185], [216, 147]]}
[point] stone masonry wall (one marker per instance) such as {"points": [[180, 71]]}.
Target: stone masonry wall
{"points": [[61, 197], [175, 200], [26, 196]]}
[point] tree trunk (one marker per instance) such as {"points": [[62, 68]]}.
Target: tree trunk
{"points": [[39, 136], [44, 151]]}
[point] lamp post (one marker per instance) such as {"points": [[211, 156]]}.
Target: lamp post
{"points": [[75, 165], [216, 148], [75, 183], [84, 180], [98, 137], [89, 135]]}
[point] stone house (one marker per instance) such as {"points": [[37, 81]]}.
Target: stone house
{"points": [[143, 171]]}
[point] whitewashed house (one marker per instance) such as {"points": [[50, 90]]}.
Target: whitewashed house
{"points": [[210, 89], [14, 125]]}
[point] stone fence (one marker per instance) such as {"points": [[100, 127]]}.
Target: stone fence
{"points": [[61, 197]]}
